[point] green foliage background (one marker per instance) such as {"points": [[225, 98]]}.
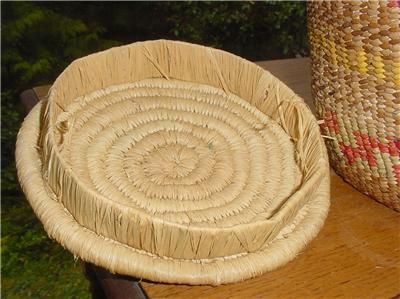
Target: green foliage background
{"points": [[39, 39]]}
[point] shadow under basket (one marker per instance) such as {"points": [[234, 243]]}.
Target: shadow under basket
{"points": [[176, 163]]}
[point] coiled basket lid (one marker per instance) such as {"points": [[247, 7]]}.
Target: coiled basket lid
{"points": [[176, 163]]}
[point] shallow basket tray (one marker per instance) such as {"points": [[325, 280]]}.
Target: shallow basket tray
{"points": [[176, 163]]}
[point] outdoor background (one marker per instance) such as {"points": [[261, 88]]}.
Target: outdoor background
{"points": [[39, 39]]}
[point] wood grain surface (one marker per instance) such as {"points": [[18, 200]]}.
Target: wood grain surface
{"points": [[356, 254]]}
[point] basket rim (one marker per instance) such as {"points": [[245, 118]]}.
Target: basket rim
{"points": [[321, 164], [128, 261], [48, 169]]}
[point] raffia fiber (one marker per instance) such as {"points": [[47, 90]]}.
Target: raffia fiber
{"points": [[355, 47], [176, 163]]}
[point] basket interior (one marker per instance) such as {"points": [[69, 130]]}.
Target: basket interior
{"points": [[179, 150]]}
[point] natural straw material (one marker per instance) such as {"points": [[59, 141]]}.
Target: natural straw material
{"points": [[176, 163], [355, 47]]}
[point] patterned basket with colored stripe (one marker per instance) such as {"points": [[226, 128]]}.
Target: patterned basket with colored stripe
{"points": [[355, 51]]}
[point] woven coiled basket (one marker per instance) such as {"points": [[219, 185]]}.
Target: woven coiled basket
{"points": [[355, 47], [175, 163]]}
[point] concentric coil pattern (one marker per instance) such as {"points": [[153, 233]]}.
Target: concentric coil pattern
{"points": [[355, 50], [190, 155], [176, 163], [148, 162]]}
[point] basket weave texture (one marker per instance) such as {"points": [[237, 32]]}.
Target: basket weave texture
{"points": [[176, 163], [355, 47]]}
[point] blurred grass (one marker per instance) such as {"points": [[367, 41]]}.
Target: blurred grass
{"points": [[33, 266]]}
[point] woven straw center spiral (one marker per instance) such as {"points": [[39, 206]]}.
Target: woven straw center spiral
{"points": [[189, 154], [166, 165]]}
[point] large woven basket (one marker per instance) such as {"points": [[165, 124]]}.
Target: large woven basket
{"points": [[175, 163], [355, 47]]}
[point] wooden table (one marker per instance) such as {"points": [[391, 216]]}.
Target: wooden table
{"points": [[356, 254]]}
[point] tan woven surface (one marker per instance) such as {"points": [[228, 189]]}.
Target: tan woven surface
{"points": [[355, 254], [158, 162], [355, 48]]}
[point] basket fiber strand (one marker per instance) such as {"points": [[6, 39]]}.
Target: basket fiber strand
{"points": [[176, 163], [355, 47]]}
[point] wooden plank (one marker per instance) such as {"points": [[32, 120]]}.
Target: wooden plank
{"points": [[41, 91], [356, 254], [295, 73]]}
